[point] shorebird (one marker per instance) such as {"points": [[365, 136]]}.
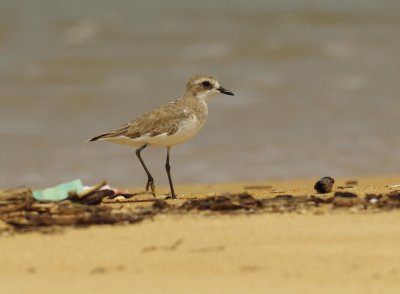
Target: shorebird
{"points": [[169, 125]]}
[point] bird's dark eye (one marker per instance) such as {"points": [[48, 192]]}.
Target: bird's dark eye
{"points": [[206, 84]]}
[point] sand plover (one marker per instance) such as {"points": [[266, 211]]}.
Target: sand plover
{"points": [[169, 125]]}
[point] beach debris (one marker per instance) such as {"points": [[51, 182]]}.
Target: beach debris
{"points": [[345, 195], [290, 203], [345, 187], [21, 212], [324, 185], [15, 199], [347, 199], [225, 202], [160, 204], [373, 198], [393, 187], [92, 195], [59, 192], [283, 197], [394, 195], [351, 183], [228, 203], [76, 192], [126, 195]]}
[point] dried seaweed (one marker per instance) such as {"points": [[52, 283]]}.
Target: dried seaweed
{"points": [[20, 212], [226, 202], [15, 199]]}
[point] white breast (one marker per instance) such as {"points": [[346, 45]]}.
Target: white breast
{"points": [[187, 129]]}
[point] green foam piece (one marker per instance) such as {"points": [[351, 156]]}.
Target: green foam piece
{"points": [[59, 192]]}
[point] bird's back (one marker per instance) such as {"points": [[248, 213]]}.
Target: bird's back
{"points": [[167, 120]]}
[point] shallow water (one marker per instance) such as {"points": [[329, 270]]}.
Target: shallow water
{"points": [[317, 88]]}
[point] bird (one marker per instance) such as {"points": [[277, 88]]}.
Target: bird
{"points": [[169, 125]]}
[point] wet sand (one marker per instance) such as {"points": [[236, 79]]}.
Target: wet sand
{"points": [[303, 252]]}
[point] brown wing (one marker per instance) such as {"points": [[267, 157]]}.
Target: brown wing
{"points": [[164, 119]]}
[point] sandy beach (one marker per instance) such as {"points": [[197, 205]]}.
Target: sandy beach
{"points": [[329, 251]]}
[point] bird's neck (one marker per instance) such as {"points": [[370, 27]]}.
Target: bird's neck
{"points": [[196, 100], [198, 105]]}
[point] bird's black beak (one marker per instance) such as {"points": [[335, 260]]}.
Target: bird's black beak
{"points": [[225, 91]]}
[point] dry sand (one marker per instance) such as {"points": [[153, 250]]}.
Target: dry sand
{"points": [[336, 251]]}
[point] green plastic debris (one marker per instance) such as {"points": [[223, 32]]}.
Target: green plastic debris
{"points": [[58, 193]]}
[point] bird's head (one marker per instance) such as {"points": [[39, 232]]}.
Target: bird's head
{"points": [[204, 87]]}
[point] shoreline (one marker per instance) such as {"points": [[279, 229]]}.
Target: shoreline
{"points": [[273, 187], [202, 252]]}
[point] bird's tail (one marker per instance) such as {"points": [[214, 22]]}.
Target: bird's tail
{"points": [[102, 136]]}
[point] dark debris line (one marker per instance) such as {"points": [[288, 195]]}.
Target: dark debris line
{"points": [[22, 213], [20, 210]]}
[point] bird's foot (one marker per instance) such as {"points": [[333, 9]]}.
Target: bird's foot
{"points": [[171, 196], [150, 185]]}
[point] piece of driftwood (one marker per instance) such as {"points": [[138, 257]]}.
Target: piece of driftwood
{"points": [[15, 199]]}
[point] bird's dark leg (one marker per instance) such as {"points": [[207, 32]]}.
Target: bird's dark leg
{"points": [[168, 168], [150, 180]]}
